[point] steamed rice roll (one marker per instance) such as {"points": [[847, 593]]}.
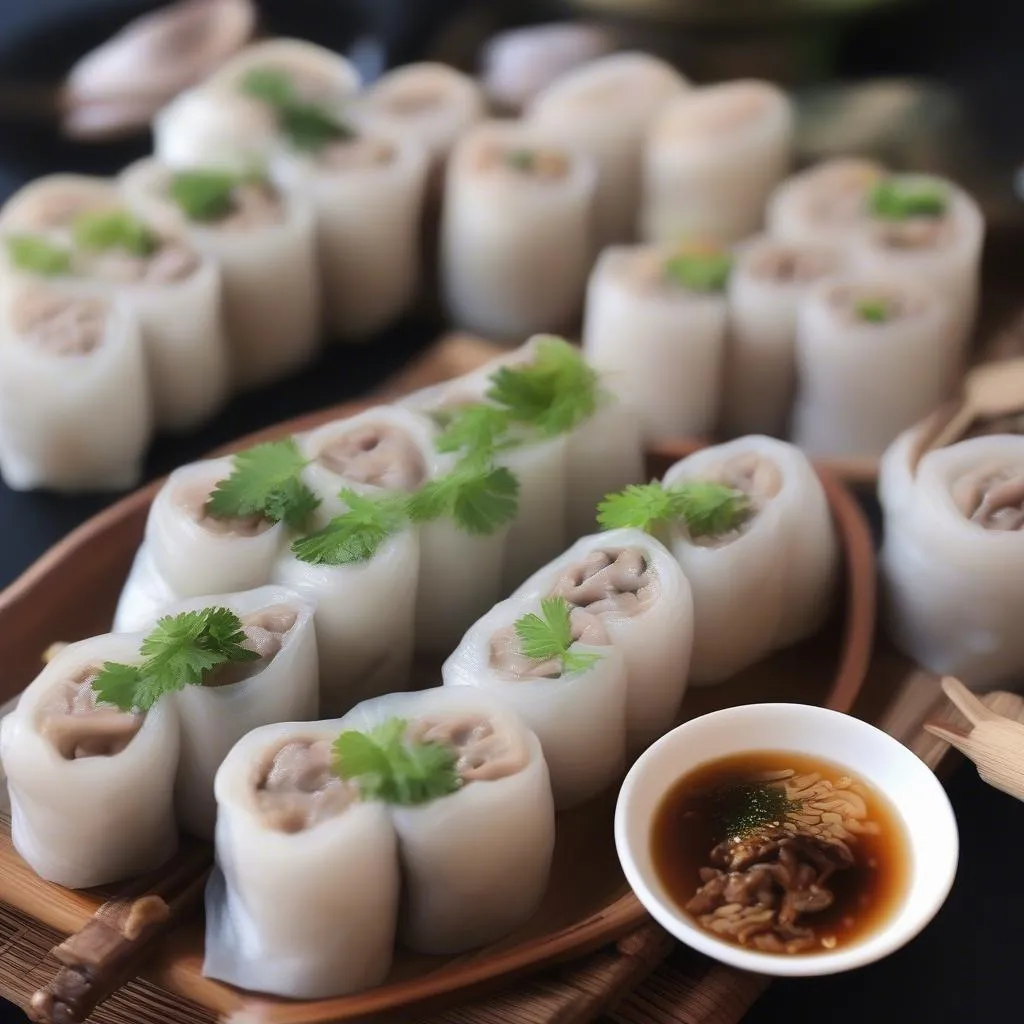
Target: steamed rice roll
{"points": [[516, 231], [825, 204], [303, 899], [769, 281], [655, 329], [476, 857], [953, 561], [604, 109], [874, 356], [235, 698], [575, 703], [75, 408], [764, 575], [711, 160], [265, 245], [631, 582], [91, 787]]}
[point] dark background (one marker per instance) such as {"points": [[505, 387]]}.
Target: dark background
{"points": [[966, 966]]}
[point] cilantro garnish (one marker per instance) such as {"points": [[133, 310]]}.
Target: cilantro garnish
{"points": [[700, 271], [549, 635], [902, 198], [706, 508], [478, 496], [38, 256], [114, 229]]}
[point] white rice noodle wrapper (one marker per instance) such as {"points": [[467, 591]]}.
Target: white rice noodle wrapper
{"points": [[897, 468], [604, 109], [308, 914], [90, 820], [944, 251], [214, 718], [823, 205], [70, 422], [659, 347], [580, 719], [429, 103], [269, 276], [216, 125], [769, 280], [475, 863], [368, 228], [460, 574], [954, 589], [55, 200], [656, 642], [863, 383], [772, 585], [712, 158], [515, 245], [183, 558]]}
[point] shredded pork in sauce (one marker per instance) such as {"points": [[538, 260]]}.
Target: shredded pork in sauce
{"points": [[59, 325], [376, 454], [77, 728], [484, 752], [993, 498], [609, 583], [507, 658], [762, 889]]}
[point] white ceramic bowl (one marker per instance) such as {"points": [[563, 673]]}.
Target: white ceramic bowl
{"points": [[816, 732]]}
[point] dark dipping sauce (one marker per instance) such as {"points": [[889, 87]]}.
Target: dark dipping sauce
{"points": [[781, 853]]}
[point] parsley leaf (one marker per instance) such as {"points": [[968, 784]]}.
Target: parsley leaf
{"points": [[355, 535], [706, 508], [477, 429], [205, 195], [521, 159], [700, 270], [266, 480], [902, 198], [388, 767], [549, 635], [114, 229], [554, 393], [308, 126], [179, 651], [38, 256], [873, 311], [479, 497]]}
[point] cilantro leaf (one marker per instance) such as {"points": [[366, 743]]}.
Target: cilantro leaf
{"points": [[179, 651], [114, 229], [386, 766], [700, 271], [898, 198], [554, 393], [38, 256], [266, 480], [705, 507], [204, 195], [549, 635], [269, 85], [478, 496], [521, 159], [477, 430], [356, 535], [873, 311]]}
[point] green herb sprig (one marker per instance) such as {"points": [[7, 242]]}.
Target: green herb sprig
{"points": [[114, 229], [180, 651], [385, 765], [208, 195], [898, 198], [873, 311], [37, 255], [549, 636], [358, 533], [706, 508], [700, 270]]}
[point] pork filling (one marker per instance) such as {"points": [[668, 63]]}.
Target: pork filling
{"points": [[59, 325], [792, 264], [194, 499], [408, 99], [758, 477], [375, 454], [508, 660], [173, 261], [609, 583], [265, 633], [536, 162], [835, 192], [359, 152], [484, 751], [77, 727], [296, 788], [915, 234], [993, 498]]}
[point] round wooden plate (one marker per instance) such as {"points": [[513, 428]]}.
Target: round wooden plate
{"points": [[70, 593]]}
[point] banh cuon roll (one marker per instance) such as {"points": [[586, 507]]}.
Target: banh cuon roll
{"points": [[604, 109], [770, 280], [555, 665], [632, 583], [515, 231], [874, 355], [264, 242], [712, 158], [655, 329], [91, 785], [749, 523], [953, 559], [75, 407]]}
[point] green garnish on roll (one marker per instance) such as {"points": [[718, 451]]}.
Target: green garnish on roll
{"points": [[38, 256], [700, 269], [115, 229], [707, 508], [873, 311], [902, 198], [549, 636], [208, 195]]}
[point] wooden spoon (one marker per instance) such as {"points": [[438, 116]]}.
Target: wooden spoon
{"points": [[993, 742]]}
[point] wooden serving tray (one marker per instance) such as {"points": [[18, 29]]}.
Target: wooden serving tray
{"points": [[70, 593]]}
